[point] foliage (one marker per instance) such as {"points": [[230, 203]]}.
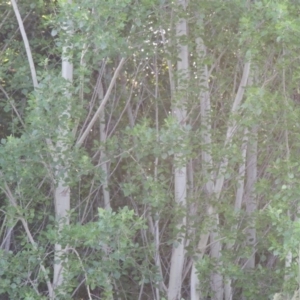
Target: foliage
{"points": [[115, 252]]}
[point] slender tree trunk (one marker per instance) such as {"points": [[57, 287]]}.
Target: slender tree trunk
{"points": [[214, 189], [207, 162], [251, 205], [180, 176], [5, 245], [35, 85], [104, 167], [217, 285], [250, 198], [245, 170], [62, 190], [159, 286], [289, 255], [238, 205], [26, 44]]}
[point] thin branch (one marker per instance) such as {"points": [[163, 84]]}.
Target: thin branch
{"points": [[13, 201], [217, 61], [102, 105], [26, 43], [84, 271], [4, 19], [14, 34], [13, 106]]}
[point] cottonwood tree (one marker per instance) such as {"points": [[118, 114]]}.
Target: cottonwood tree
{"points": [[180, 168], [171, 146]]}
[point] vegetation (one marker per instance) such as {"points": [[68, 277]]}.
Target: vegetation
{"points": [[149, 149]]}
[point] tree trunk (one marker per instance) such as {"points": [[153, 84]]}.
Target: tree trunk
{"points": [[215, 189], [238, 205], [62, 190], [180, 176], [103, 163], [251, 205], [207, 162]]}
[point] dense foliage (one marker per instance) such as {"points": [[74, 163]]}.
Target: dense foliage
{"points": [[123, 221]]}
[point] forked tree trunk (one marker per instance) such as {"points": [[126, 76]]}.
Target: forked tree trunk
{"points": [[248, 169], [214, 189], [180, 176], [217, 285]]}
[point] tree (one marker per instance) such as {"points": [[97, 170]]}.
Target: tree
{"points": [[149, 150]]}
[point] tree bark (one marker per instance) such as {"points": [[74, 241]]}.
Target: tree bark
{"points": [[207, 163], [180, 176], [62, 190], [251, 204], [238, 205]]}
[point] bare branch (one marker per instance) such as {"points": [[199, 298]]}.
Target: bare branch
{"points": [[101, 107], [26, 43]]}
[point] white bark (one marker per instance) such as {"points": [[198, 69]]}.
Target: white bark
{"points": [[103, 164], [62, 190], [216, 277], [250, 198], [195, 283], [231, 129], [159, 285], [289, 256], [180, 176], [251, 205], [241, 184], [26, 43], [238, 205], [82, 138], [62, 206], [241, 177], [6, 188], [207, 162], [178, 251], [217, 285], [210, 188]]}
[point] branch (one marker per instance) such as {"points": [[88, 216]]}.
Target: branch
{"points": [[13, 106], [26, 44], [101, 107], [13, 202]]}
